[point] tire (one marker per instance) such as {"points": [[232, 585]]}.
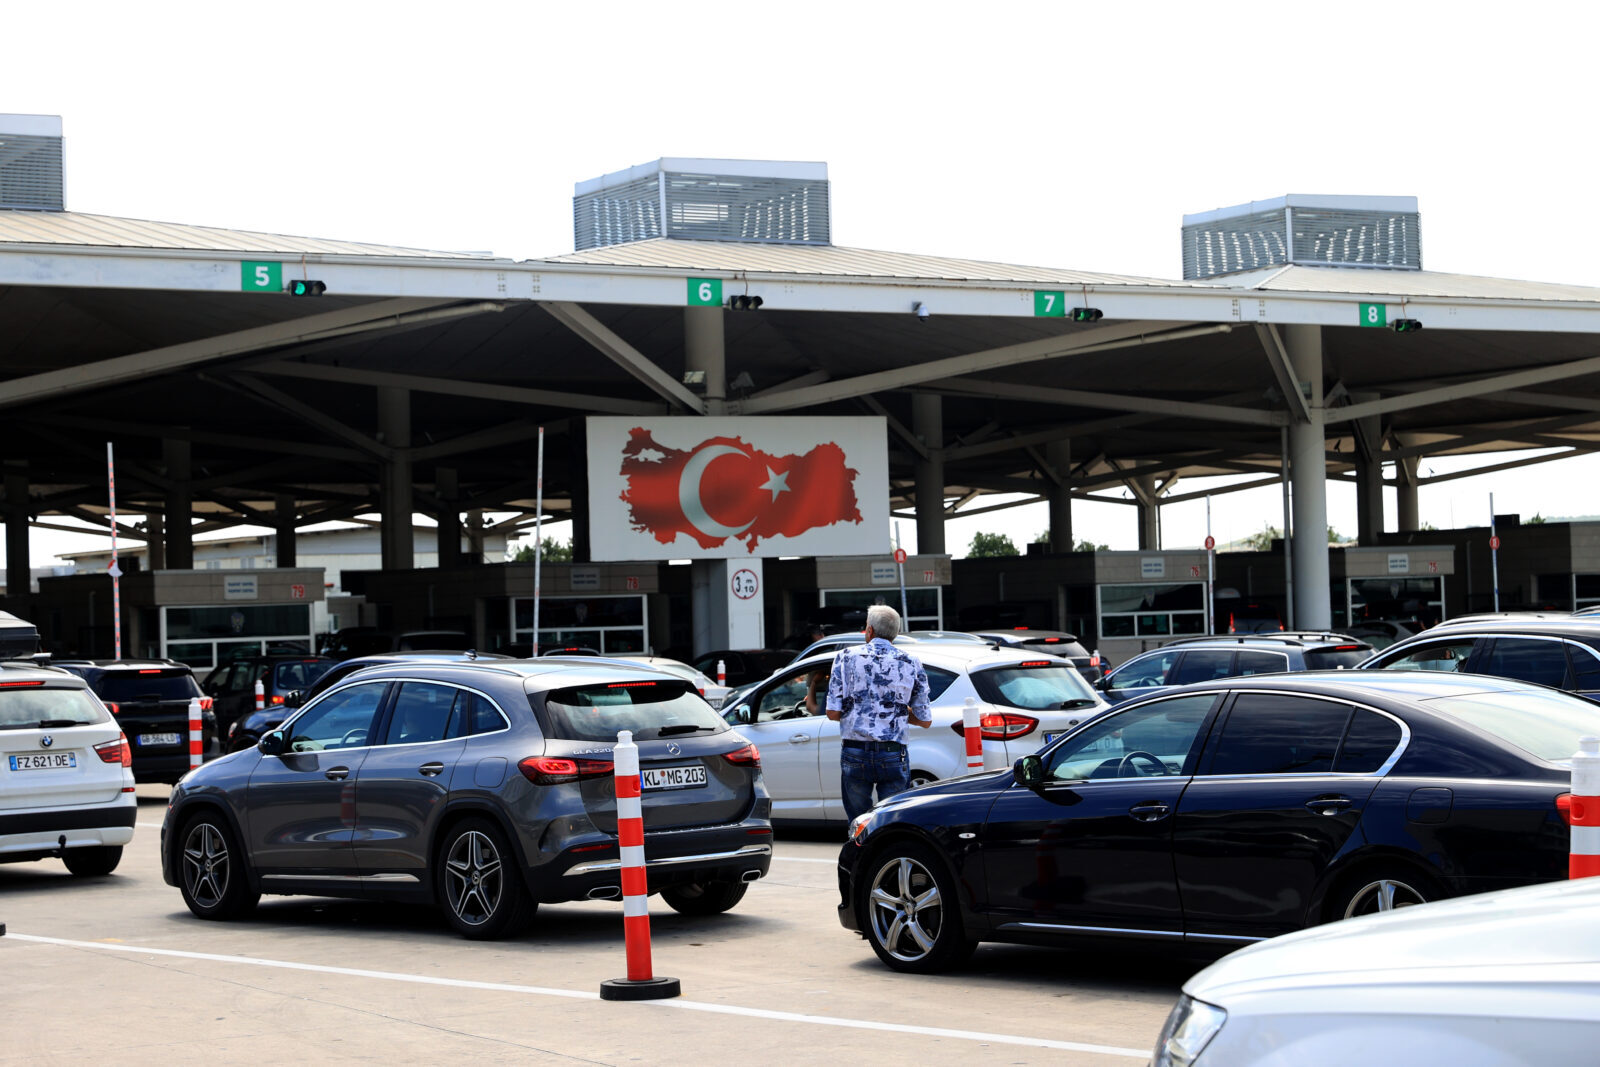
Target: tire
{"points": [[921, 778], [211, 869], [910, 912], [1379, 890], [93, 861], [704, 898], [480, 886]]}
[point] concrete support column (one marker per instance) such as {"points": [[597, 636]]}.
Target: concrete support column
{"points": [[704, 350], [1407, 512], [1369, 474], [155, 533], [180, 505], [1313, 608], [394, 480], [18, 581], [447, 488], [1149, 515], [927, 422], [475, 535], [1059, 455], [578, 506], [728, 598], [284, 516]]}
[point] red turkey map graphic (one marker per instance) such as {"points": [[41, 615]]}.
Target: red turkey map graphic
{"points": [[724, 488]]}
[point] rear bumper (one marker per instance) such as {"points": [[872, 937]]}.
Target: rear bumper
{"points": [[32, 833], [738, 853]]}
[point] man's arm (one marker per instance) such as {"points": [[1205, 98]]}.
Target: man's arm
{"points": [[920, 713], [836, 688]]}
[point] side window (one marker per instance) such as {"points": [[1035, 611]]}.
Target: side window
{"points": [[421, 713], [343, 719], [1165, 729], [1254, 661], [1144, 671], [1585, 668], [1270, 733], [1527, 659], [237, 678], [1368, 743], [474, 714], [1442, 656], [1203, 665], [786, 699], [938, 681]]}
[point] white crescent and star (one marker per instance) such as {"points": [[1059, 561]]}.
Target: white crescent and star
{"points": [[694, 508]]}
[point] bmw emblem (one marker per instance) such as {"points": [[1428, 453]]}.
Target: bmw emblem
{"points": [[46, 741], [674, 750]]}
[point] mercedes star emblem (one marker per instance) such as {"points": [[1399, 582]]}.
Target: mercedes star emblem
{"points": [[674, 750]]}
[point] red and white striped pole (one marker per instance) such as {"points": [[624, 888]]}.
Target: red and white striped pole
{"points": [[197, 752], [1584, 859], [972, 728], [261, 695], [722, 673], [640, 984]]}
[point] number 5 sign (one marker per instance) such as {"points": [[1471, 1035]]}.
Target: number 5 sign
{"points": [[257, 277]]}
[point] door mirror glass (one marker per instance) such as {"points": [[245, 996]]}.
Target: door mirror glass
{"points": [[272, 743], [744, 714], [1028, 771], [294, 698]]}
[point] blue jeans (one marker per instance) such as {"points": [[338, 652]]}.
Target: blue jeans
{"points": [[862, 768]]}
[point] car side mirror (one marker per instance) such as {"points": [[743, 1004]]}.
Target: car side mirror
{"points": [[294, 698], [1103, 683], [1028, 771], [273, 743], [744, 715]]}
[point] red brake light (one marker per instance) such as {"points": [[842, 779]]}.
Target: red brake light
{"points": [[1347, 648], [205, 703], [1564, 806], [1019, 627], [627, 685], [749, 756], [1052, 640], [113, 707], [277, 698], [19, 685], [149, 670], [1036, 663], [1006, 726], [556, 770], [116, 751]]}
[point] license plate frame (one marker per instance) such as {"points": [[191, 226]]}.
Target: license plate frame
{"points": [[44, 761], [152, 740], [682, 776]]}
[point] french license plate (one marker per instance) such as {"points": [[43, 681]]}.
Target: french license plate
{"points": [[145, 740], [43, 761], [672, 777]]}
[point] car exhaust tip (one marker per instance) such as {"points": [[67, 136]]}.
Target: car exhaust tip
{"points": [[605, 892], [750, 876]]}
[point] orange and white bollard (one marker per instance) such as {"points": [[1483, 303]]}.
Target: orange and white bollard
{"points": [[640, 984], [197, 737], [972, 728], [722, 673], [261, 695], [1584, 810]]}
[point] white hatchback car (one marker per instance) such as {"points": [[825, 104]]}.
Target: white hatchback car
{"points": [[1024, 701], [1493, 980], [66, 772], [707, 688]]}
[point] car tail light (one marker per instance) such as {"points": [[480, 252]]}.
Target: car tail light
{"points": [[113, 707], [1564, 806], [1005, 726], [1051, 641], [19, 685], [1036, 663], [276, 698], [558, 770], [749, 756], [205, 703], [116, 751], [151, 670], [1347, 648]]}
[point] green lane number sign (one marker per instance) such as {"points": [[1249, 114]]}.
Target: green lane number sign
{"points": [[257, 277], [1374, 314], [705, 292], [1050, 305]]}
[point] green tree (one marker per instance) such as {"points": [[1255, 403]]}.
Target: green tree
{"points": [[987, 544], [1262, 542], [552, 551], [1537, 520], [1090, 546]]}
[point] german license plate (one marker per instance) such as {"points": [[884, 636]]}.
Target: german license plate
{"points": [[43, 761], [673, 777], [145, 740]]}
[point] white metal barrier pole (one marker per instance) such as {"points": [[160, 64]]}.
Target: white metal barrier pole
{"points": [[1584, 810], [973, 729], [197, 753], [261, 695], [640, 984], [722, 672]]}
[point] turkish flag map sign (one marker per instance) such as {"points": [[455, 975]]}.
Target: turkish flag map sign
{"points": [[723, 488]]}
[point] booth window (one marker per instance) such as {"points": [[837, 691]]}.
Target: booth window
{"points": [[1152, 610]]}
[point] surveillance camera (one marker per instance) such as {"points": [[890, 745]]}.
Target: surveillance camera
{"points": [[922, 310]]}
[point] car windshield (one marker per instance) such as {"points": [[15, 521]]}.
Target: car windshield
{"points": [[1342, 658], [651, 709], [1544, 724], [1033, 686], [25, 707], [126, 687]]}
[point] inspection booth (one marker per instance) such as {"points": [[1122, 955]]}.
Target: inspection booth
{"points": [[835, 592], [1391, 582]]}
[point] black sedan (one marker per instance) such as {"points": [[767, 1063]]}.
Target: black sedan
{"points": [[1214, 815], [482, 788]]}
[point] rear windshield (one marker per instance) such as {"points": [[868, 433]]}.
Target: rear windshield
{"points": [[26, 707], [1043, 688], [126, 687], [298, 674], [651, 709], [1056, 646], [1332, 659], [1547, 725]]}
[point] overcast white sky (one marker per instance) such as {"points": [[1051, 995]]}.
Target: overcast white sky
{"points": [[1059, 134]]}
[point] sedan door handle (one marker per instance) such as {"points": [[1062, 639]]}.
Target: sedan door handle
{"points": [[337, 774], [1328, 805], [799, 739], [430, 769], [1154, 811]]}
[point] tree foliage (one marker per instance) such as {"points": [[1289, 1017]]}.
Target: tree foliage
{"points": [[986, 545], [1262, 542], [551, 551]]}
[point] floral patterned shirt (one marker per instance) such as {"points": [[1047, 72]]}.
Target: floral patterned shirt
{"points": [[874, 686]]}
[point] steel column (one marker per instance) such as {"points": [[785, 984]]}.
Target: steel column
{"points": [[1313, 608], [1059, 455], [180, 505], [19, 581], [704, 350], [394, 479], [927, 423]]}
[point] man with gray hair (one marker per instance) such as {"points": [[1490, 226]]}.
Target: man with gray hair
{"points": [[874, 689]]}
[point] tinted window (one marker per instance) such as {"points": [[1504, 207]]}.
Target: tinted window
{"points": [[125, 687], [1165, 729], [1253, 661], [1333, 659], [342, 719], [1528, 659], [1370, 741], [25, 707], [649, 709], [1585, 668], [421, 713], [298, 674], [1203, 665], [1545, 724], [1439, 656], [1033, 688], [938, 681], [1273, 733], [1056, 646], [1144, 671], [474, 714]]}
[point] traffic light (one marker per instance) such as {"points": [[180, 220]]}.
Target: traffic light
{"points": [[1406, 325], [1087, 315], [306, 287], [744, 303]]}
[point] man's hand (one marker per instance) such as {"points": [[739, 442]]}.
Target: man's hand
{"points": [[914, 721]]}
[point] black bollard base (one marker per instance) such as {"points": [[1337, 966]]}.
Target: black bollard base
{"points": [[649, 989]]}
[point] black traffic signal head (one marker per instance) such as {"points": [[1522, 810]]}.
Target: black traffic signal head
{"points": [[1087, 315], [744, 303], [305, 287], [1406, 325]]}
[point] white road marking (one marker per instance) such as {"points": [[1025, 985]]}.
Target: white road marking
{"points": [[149, 825], [575, 994]]}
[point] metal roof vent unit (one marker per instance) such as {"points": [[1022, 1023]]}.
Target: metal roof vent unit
{"points": [[30, 162], [704, 200], [1315, 231]]}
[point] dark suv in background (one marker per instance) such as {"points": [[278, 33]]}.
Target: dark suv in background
{"points": [[149, 698], [1561, 652], [233, 685], [1205, 659]]}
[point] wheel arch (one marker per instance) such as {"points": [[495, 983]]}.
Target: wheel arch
{"points": [[1370, 863], [179, 818], [459, 811]]}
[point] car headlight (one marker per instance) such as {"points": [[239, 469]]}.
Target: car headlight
{"points": [[858, 826], [1190, 1027]]}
